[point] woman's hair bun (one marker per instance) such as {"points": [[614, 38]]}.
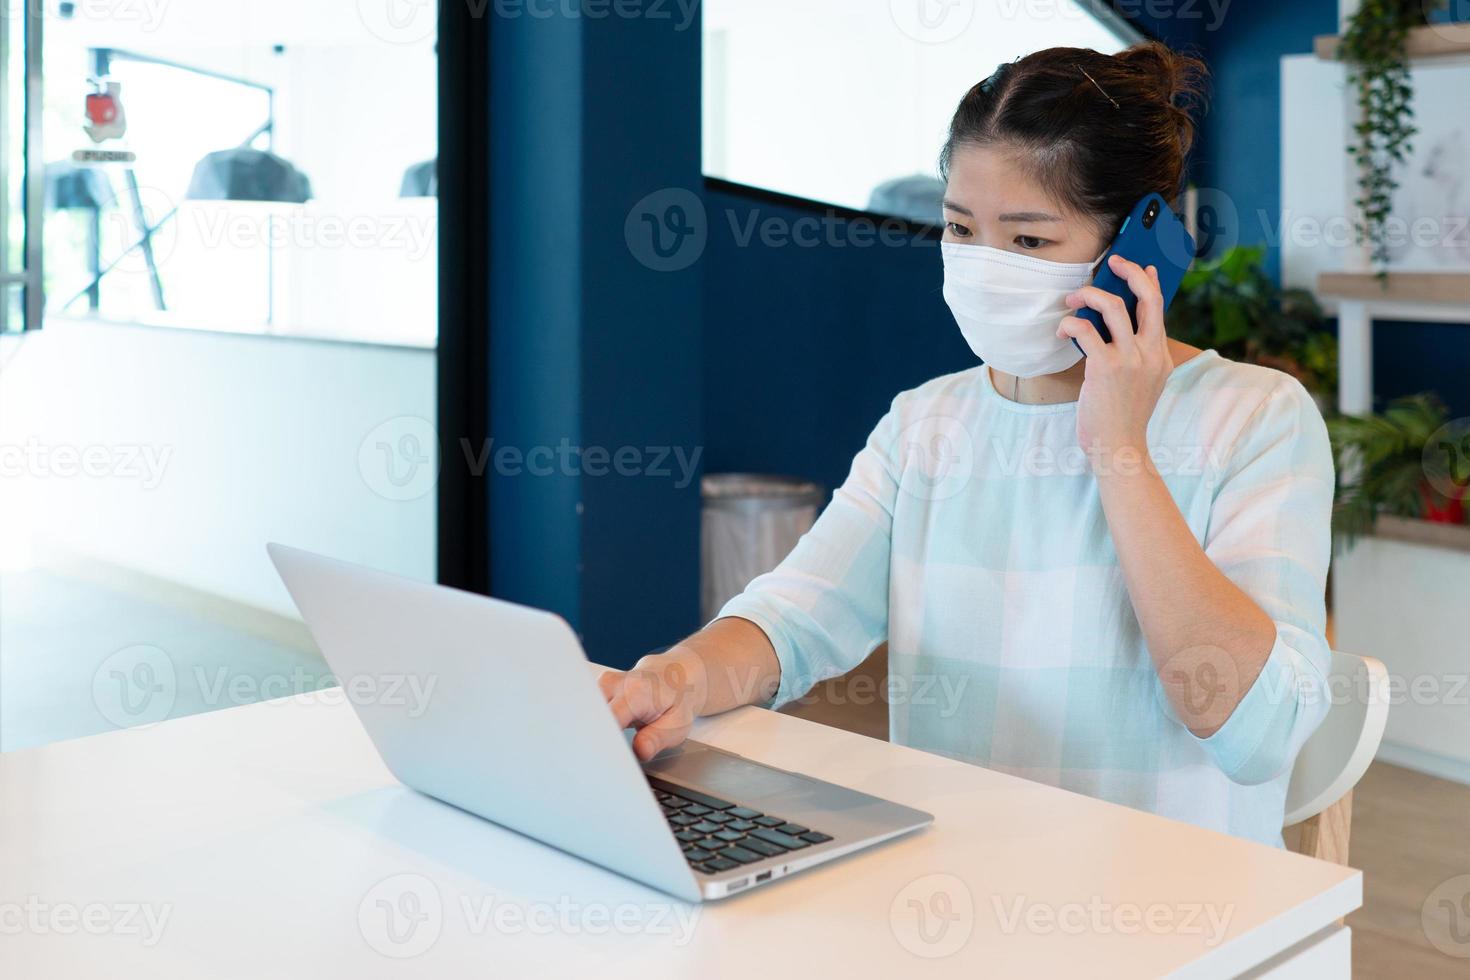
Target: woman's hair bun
{"points": [[1177, 80], [1099, 130]]}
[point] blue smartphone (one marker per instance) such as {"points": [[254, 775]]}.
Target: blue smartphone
{"points": [[1152, 235]]}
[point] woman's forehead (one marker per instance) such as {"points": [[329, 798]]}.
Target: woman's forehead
{"points": [[993, 183]]}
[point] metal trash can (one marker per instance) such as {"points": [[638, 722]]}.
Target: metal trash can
{"points": [[750, 522]]}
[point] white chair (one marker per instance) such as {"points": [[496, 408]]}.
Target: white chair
{"points": [[1320, 796]]}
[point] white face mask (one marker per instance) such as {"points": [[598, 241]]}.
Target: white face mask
{"points": [[1008, 306]]}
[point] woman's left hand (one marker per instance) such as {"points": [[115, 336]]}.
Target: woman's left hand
{"points": [[1123, 379]]}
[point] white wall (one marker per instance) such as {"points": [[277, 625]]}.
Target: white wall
{"points": [[1401, 603], [260, 438], [1429, 232]]}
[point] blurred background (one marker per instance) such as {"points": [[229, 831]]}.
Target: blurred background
{"points": [[505, 306]]}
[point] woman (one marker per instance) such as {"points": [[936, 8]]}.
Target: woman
{"points": [[1104, 573]]}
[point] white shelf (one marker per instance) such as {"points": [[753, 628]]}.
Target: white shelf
{"points": [[1423, 44], [1438, 288], [1455, 537]]}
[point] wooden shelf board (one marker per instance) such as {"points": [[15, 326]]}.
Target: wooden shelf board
{"points": [[1456, 537], [1439, 41], [1401, 287]]}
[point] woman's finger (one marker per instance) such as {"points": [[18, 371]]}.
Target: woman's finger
{"points": [[609, 682], [637, 701], [664, 732], [1085, 334], [1114, 313], [1145, 286]]}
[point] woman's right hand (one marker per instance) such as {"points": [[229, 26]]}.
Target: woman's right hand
{"points": [[661, 696]]}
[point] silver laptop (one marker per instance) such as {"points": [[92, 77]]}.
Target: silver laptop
{"points": [[492, 707]]}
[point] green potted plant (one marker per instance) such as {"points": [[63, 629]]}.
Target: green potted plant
{"points": [[1398, 593], [1231, 304], [1381, 466]]}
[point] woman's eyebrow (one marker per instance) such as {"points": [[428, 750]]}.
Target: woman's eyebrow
{"points": [[952, 206], [1029, 216]]}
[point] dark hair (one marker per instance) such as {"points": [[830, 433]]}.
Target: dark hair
{"points": [[1097, 131]]}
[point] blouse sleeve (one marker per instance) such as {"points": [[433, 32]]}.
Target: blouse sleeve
{"points": [[1270, 533], [825, 607]]}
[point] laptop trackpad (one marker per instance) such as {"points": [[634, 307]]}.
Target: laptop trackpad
{"points": [[734, 778]]}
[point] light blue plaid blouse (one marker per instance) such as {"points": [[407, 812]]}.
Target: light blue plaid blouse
{"points": [[969, 535]]}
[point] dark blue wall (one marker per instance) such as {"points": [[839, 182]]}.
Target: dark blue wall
{"points": [[535, 306], [591, 348], [1240, 140], [805, 345]]}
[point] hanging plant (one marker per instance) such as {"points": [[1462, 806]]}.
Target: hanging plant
{"points": [[1373, 48]]}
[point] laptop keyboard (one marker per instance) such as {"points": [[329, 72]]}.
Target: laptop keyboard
{"points": [[718, 835]]}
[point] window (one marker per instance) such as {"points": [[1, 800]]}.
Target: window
{"points": [[20, 198], [264, 174], [848, 103]]}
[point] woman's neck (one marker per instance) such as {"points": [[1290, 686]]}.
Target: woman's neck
{"points": [[1044, 389], [1064, 386]]}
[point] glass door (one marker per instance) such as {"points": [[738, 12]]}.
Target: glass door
{"points": [[232, 209]]}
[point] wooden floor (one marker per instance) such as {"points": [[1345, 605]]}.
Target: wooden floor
{"points": [[1410, 832]]}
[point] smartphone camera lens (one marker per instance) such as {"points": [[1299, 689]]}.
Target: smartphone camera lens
{"points": [[1150, 214]]}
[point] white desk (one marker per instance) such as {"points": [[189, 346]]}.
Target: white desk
{"points": [[276, 844]]}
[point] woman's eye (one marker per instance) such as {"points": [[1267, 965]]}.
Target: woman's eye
{"points": [[957, 230], [1030, 241]]}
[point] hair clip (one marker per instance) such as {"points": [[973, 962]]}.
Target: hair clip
{"points": [[1098, 87]]}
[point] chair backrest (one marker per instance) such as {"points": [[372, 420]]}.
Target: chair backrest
{"points": [[1338, 753]]}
